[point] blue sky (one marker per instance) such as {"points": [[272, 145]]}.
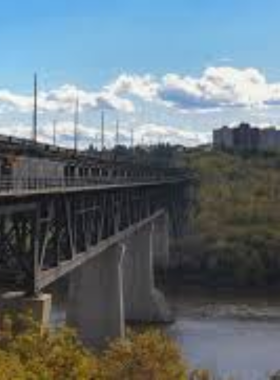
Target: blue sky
{"points": [[225, 46]]}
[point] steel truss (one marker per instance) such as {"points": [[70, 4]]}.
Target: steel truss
{"points": [[45, 236]]}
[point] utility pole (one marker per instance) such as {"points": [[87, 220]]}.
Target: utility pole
{"points": [[54, 132], [132, 138], [96, 138], [102, 131], [117, 142], [35, 110], [76, 124]]}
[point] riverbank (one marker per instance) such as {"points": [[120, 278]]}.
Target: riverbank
{"points": [[175, 279]]}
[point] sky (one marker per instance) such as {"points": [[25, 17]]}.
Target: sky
{"points": [[170, 70]]}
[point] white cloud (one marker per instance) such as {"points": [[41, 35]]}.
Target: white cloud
{"points": [[218, 87], [149, 133], [144, 87], [17, 129], [155, 133], [63, 99], [64, 133], [67, 94], [20, 102], [172, 99]]}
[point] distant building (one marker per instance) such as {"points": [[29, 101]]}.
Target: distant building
{"points": [[223, 138], [270, 139], [247, 138]]}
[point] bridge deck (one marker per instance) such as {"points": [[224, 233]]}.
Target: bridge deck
{"points": [[14, 190], [47, 231]]}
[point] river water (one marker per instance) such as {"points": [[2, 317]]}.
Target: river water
{"points": [[231, 335], [237, 335]]}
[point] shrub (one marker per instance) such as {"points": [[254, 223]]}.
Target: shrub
{"points": [[150, 356], [33, 354]]}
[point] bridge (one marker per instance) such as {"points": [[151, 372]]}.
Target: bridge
{"points": [[106, 229]]}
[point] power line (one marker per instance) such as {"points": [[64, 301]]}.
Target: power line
{"points": [[117, 142], [102, 130], [76, 124], [35, 109], [132, 138], [54, 132], [95, 140]]}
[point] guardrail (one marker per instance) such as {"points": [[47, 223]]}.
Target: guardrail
{"points": [[39, 184]]}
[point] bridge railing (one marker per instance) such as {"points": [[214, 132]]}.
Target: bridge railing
{"points": [[39, 184]]}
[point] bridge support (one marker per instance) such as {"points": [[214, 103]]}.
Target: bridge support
{"points": [[143, 302], [13, 303], [161, 241], [95, 303], [118, 284]]}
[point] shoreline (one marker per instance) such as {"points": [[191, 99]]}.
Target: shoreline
{"points": [[174, 280]]}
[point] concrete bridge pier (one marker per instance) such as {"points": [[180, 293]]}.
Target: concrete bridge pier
{"points": [[15, 303], [118, 284], [161, 241], [95, 301], [142, 301]]}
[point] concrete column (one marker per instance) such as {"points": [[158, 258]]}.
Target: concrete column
{"points": [[143, 302], [95, 303], [18, 302], [161, 241]]}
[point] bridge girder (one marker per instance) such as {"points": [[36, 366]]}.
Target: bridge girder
{"points": [[44, 236]]}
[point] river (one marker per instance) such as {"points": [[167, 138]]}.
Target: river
{"points": [[231, 335], [237, 335]]}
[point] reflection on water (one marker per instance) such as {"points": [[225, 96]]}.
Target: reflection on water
{"points": [[238, 336]]}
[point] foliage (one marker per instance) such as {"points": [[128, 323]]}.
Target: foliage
{"points": [[238, 217], [44, 355], [148, 356]]}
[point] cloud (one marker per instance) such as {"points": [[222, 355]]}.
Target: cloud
{"points": [[216, 89], [184, 93], [67, 94], [228, 93], [153, 133], [144, 87], [64, 133], [17, 129], [63, 99], [11, 100], [148, 133]]}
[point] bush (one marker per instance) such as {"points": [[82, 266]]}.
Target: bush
{"points": [[45, 355], [150, 355], [38, 355]]}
